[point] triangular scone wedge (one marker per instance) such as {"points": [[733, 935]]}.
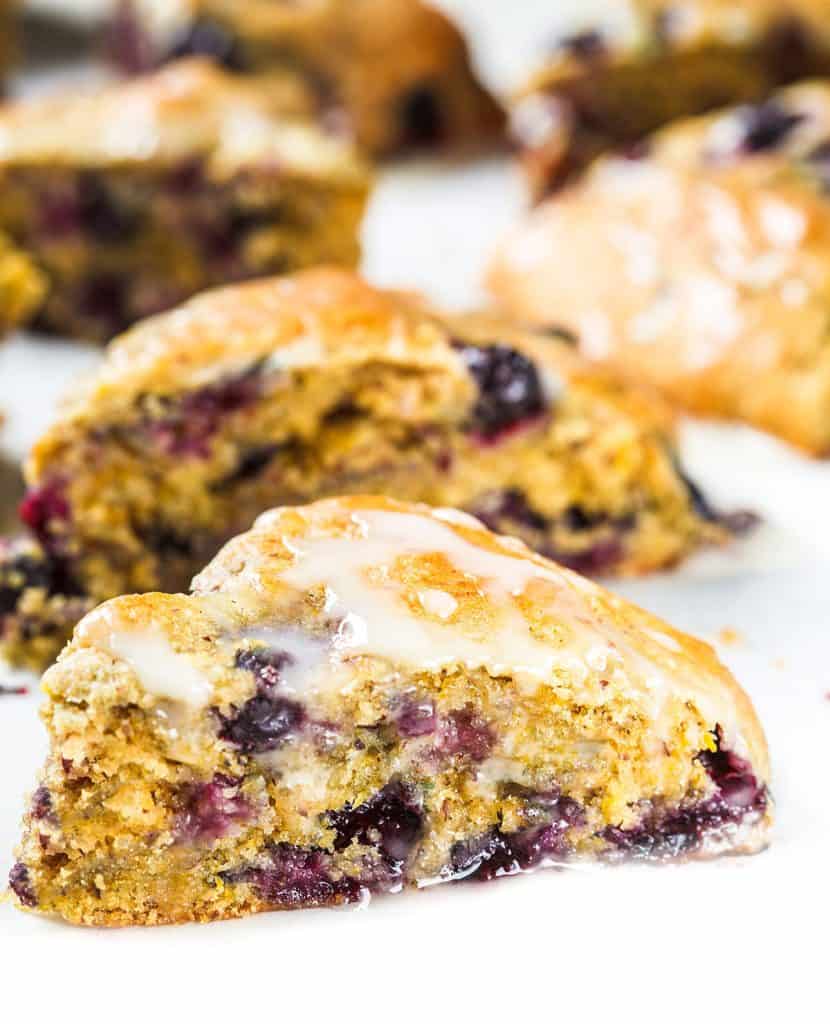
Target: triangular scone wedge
{"points": [[292, 389], [362, 695]]}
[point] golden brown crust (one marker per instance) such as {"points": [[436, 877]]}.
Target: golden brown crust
{"points": [[725, 256], [399, 70]]}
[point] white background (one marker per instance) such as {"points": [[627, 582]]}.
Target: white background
{"points": [[737, 939]]}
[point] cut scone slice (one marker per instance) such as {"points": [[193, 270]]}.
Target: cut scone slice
{"points": [[397, 72], [292, 389], [644, 63], [362, 695], [702, 266], [133, 197]]}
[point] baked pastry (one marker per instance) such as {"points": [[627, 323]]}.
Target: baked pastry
{"points": [[363, 695], [399, 70], [136, 196], [647, 62], [22, 286], [287, 390], [702, 267]]}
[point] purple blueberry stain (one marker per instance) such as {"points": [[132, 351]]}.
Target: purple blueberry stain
{"points": [[463, 733], [510, 390], [294, 877], [415, 717], [210, 810], [21, 885]]}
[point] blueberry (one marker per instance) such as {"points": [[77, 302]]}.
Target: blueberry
{"points": [[588, 45], [421, 118], [21, 885], [391, 821], [265, 665], [207, 38], [510, 390], [103, 216], [767, 126], [19, 573], [263, 724]]}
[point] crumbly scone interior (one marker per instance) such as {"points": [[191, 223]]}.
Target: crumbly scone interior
{"points": [[407, 703], [122, 244]]}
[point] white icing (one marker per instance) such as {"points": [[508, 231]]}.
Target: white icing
{"points": [[361, 591], [162, 671], [438, 603]]}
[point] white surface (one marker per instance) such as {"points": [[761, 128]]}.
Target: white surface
{"points": [[684, 943]]}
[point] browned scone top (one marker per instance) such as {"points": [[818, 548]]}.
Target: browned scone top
{"points": [[398, 71], [187, 110], [702, 266], [320, 319], [643, 63]]}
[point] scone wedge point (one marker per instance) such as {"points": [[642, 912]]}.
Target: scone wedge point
{"points": [[700, 265], [362, 695], [288, 390], [132, 197]]}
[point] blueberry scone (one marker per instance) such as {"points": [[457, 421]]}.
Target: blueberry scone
{"points": [[702, 266], [292, 389], [647, 62], [398, 70], [134, 197], [362, 695]]}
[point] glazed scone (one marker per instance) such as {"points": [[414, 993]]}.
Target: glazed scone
{"points": [[702, 267], [398, 70], [363, 695], [648, 62], [288, 390], [22, 286], [136, 196]]}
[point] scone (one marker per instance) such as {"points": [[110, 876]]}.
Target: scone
{"points": [[647, 62], [398, 70], [22, 286], [702, 267], [136, 196], [363, 695], [291, 389]]}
